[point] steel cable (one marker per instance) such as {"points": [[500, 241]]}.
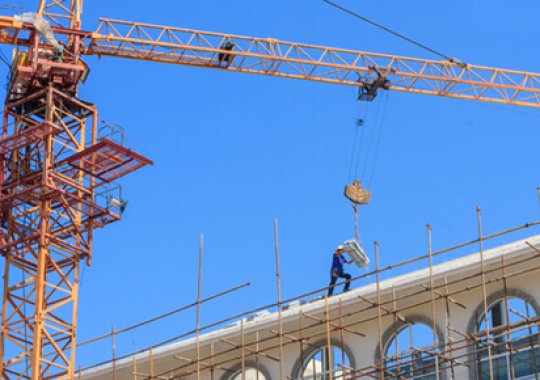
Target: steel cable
{"points": [[376, 24]]}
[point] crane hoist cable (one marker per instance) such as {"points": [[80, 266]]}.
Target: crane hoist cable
{"points": [[355, 191], [358, 141], [378, 139], [356, 194], [366, 142], [354, 149], [372, 137]]}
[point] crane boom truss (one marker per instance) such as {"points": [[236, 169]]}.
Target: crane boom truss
{"points": [[62, 13], [268, 56]]}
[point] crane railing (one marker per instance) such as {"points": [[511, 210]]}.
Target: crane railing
{"points": [[268, 56]]}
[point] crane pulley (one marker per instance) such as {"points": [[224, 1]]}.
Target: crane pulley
{"points": [[370, 86]]}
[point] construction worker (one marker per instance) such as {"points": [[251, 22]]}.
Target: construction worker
{"points": [[227, 45], [337, 271]]}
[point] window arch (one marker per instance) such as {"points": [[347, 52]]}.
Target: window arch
{"points": [[319, 360], [408, 350], [252, 371], [513, 338]]}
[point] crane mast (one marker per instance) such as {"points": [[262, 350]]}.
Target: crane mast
{"points": [[57, 170], [55, 189]]}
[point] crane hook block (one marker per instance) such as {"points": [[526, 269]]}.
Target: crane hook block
{"points": [[356, 194], [369, 86]]}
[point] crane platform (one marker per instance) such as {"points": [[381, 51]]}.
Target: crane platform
{"points": [[27, 137], [106, 161]]}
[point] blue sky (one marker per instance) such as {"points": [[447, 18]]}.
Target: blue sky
{"points": [[233, 151]]}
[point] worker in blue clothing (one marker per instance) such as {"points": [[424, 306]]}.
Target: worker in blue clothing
{"points": [[337, 271]]}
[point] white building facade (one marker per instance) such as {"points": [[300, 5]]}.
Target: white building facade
{"points": [[475, 317]]}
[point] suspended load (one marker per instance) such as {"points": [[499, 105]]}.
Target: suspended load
{"points": [[356, 252], [356, 194]]}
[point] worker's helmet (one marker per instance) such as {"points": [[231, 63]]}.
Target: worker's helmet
{"points": [[339, 247]]}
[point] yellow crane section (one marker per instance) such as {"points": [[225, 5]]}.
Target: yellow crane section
{"points": [[268, 56]]}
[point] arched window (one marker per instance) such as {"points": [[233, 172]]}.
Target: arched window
{"points": [[323, 360], [251, 370], [409, 353], [250, 373], [513, 338]]}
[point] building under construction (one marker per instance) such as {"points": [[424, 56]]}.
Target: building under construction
{"points": [[471, 317]]}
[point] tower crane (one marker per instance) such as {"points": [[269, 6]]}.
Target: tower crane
{"points": [[57, 172]]}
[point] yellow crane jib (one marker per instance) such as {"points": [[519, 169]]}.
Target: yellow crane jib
{"points": [[10, 22], [370, 72]]}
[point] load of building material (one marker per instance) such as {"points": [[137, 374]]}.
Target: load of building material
{"points": [[356, 252], [357, 194]]}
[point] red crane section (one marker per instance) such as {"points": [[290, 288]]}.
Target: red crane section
{"points": [[56, 173]]}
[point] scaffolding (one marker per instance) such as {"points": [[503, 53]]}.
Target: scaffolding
{"points": [[316, 334]]}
